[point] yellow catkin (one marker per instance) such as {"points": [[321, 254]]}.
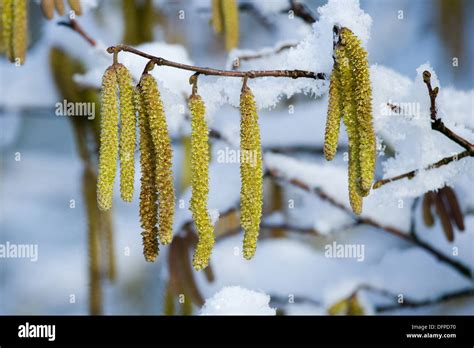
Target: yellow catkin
{"points": [[108, 139], [59, 4], [331, 135], [76, 6], [251, 194], [216, 16], [19, 39], [200, 183], [230, 13], [148, 194], [350, 121], [47, 7], [363, 108], [164, 154], [127, 132]]}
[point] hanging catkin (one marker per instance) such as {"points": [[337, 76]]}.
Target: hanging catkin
{"points": [[148, 194], [200, 183], [363, 108], [47, 7], [108, 139], [163, 151], [331, 135], [76, 7], [251, 194], [350, 121], [230, 13], [127, 132], [15, 29]]}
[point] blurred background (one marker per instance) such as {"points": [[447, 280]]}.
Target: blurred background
{"points": [[48, 163]]}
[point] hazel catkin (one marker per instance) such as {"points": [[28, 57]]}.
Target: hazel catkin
{"points": [[108, 139], [200, 183], [127, 132], [251, 194], [363, 108], [148, 195], [230, 14], [163, 152]]}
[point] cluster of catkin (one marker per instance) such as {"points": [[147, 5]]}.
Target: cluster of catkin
{"points": [[49, 6], [350, 98], [225, 18], [120, 104], [14, 29]]}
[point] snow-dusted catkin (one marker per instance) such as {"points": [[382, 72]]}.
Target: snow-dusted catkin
{"points": [[230, 13], [251, 194], [331, 135], [108, 139], [127, 132], [148, 194], [217, 16], [20, 30], [164, 153], [200, 183], [363, 108]]}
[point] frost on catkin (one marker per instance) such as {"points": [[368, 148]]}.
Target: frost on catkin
{"points": [[200, 183], [148, 195], [163, 152], [127, 132], [363, 108], [230, 13], [251, 194], [108, 139], [331, 135]]}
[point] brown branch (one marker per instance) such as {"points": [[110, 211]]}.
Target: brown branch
{"points": [[247, 57], [405, 235], [216, 72], [413, 173], [74, 25]]}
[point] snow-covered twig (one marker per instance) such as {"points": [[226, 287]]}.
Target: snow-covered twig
{"points": [[407, 236]]}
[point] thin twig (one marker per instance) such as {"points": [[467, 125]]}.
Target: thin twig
{"points": [[405, 235], [437, 125], [247, 57], [216, 72], [74, 25], [301, 11]]}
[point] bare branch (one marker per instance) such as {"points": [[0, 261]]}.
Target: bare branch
{"points": [[216, 72], [74, 25]]}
